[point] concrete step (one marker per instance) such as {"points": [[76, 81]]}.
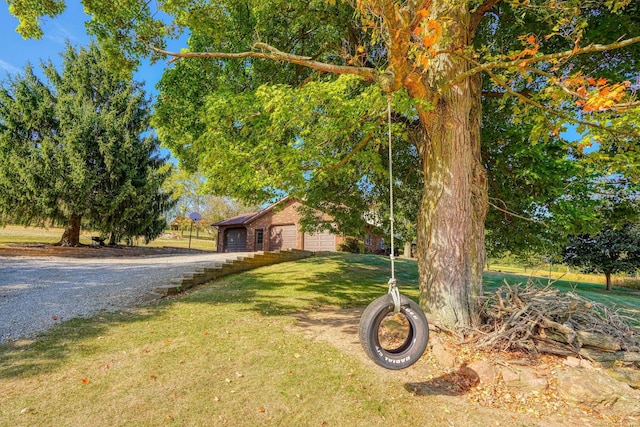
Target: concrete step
{"points": [[165, 290]]}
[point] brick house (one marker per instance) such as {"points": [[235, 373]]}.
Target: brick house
{"points": [[276, 227]]}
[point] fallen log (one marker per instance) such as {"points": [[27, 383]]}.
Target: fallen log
{"points": [[557, 332], [599, 341], [553, 347], [608, 357]]}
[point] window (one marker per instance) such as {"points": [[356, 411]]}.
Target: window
{"points": [[259, 236]]}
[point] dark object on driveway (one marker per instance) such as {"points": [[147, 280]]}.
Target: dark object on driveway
{"points": [[98, 240]]}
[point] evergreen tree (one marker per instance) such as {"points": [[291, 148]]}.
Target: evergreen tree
{"points": [[76, 149]]}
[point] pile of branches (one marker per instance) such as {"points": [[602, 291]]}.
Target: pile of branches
{"points": [[544, 320]]}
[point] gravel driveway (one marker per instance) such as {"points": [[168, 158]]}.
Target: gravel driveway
{"points": [[38, 292]]}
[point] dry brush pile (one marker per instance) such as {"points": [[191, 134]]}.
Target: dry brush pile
{"points": [[545, 320]]}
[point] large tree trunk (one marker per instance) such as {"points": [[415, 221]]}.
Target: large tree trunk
{"points": [[607, 276], [71, 235], [113, 239], [451, 254], [451, 218]]}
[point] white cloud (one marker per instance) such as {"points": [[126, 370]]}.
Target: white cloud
{"points": [[60, 35], [8, 67]]}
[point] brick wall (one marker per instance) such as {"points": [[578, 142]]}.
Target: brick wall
{"points": [[278, 215], [374, 244]]}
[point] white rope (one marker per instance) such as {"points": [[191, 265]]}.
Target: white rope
{"points": [[391, 219], [395, 295], [393, 290]]}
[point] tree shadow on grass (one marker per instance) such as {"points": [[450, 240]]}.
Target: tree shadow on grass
{"points": [[347, 282], [49, 350]]}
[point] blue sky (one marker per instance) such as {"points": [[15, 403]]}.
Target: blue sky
{"points": [[17, 52]]}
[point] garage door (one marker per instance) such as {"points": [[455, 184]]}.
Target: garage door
{"points": [[324, 241], [235, 240], [282, 237]]}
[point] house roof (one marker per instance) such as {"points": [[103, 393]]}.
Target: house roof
{"points": [[249, 217], [237, 220]]}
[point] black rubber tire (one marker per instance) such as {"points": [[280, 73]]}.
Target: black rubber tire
{"points": [[413, 347]]}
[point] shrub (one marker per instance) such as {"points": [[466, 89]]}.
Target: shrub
{"points": [[351, 245]]}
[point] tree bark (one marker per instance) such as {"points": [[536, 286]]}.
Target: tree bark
{"points": [[71, 235], [451, 219], [451, 253], [607, 275], [407, 250]]}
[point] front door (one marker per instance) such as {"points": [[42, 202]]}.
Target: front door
{"points": [[259, 240]]}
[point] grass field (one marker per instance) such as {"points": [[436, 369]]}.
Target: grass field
{"points": [[620, 297], [19, 234], [229, 354], [567, 275]]}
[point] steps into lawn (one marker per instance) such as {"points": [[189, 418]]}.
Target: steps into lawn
{"points": [[217, 270]]}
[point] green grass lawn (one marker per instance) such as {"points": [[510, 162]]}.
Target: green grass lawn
{"points": [[564, 273], [228, 354], [19, 234]]}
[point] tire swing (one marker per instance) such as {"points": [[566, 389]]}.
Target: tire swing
{"points": [[393, 329]]}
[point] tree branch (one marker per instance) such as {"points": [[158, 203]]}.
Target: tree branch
{"points": [[363, 143], [524, 62], [507, 212], [620, 108], [398, 44], [559, 114], [417, 18], [479, 14], [487, 94], [367, 73], [555, 80], [271, 53]]}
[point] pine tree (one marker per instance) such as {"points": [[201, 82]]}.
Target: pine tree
{"points": [[76, 149]]}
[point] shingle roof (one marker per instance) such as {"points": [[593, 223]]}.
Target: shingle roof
{"points": [[248, 217], [237, 220]]}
